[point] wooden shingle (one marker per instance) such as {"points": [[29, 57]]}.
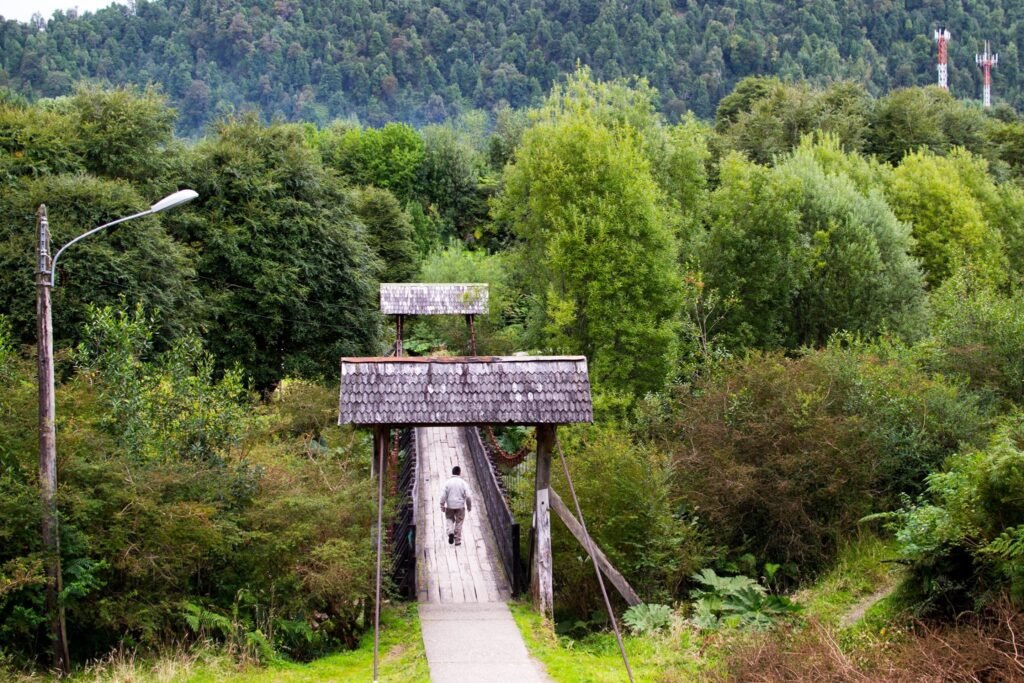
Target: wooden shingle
{"points": [[455, 391], [432, 299]]}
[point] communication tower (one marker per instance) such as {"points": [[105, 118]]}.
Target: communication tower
{"points": [[986, 60], [942, 38]]}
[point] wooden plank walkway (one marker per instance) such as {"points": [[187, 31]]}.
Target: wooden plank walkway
{"points": [[468, 631], [447, 573]]}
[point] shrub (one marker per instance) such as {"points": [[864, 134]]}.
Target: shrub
{"points": [[645, 618], [912, 420], [765, 456], [623, 490], [981, 335], [193, 511], [737, 601], [965, 541], [979, 647], [781, 456]]}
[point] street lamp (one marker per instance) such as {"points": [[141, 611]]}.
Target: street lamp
{"points": [[47, 412]]}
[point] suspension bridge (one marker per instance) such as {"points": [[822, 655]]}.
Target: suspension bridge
{"points": [[430, 414]]}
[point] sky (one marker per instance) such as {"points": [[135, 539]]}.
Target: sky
{"points": [[22, 10]]}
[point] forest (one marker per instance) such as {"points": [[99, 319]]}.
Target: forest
{"points": [[421, 63], [802, 319]]}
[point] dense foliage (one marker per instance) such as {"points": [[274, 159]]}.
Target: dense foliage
{"points": [[598, 254], [805, 315], [782, 456], [286, 267], [423, 62], [184, 508]]}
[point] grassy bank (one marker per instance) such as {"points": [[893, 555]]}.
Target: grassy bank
{"points": [[401, 659], [851, 601], [667, 657]]}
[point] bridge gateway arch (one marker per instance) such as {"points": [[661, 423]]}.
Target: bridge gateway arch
{"points": [[425, 413]]}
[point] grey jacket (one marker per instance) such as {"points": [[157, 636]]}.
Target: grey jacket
{"points": [[456, 495]]}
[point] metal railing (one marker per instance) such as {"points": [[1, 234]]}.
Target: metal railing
{"points": [[403, 531], [503, 524]]}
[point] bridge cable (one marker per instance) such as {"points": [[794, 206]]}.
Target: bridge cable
{"points": [[380, 448], [593, 557]]}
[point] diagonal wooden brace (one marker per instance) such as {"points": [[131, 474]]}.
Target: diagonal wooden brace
{"points": [[569, 519]]}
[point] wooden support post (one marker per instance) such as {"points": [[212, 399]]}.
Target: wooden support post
{"points": [[381, 449], [399, 347], [570, 521], [472, 334], [541, 584]]}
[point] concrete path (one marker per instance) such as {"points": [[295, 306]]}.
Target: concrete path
{"points": [[468, 631], [476, 642]]}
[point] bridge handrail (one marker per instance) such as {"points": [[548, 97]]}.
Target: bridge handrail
{"points": [[403, 530], [503, 524]]}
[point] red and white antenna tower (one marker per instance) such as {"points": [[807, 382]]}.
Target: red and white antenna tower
{"points": [[942, 38], [986, 61]]}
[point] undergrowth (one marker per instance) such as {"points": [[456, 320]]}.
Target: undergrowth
{"points": [[665, 656], [402, 658]]}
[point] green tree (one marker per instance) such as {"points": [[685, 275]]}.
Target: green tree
{"points": [[284, 264], [598, 249], [390, 157], [451, 183], [817, 256], [122, 132], [933, 194], [914, 118], [765, 118], [137, 263], [390, 233]]}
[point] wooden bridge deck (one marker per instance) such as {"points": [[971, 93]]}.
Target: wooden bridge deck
{"points": [[446, 573]]}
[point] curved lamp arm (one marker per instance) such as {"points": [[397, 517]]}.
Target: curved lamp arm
{"points": [[179, 197]]}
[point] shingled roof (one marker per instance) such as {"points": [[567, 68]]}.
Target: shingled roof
{"points": [[432, 299], [477, 390]]}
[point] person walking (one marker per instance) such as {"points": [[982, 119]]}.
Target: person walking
{"points": [[455, 503]]}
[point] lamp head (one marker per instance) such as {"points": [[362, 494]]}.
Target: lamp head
{"points": [[172, 200]]}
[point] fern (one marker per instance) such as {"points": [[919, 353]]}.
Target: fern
{"points": [[1009, 545]]}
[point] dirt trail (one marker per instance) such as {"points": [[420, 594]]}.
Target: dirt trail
{"points": [[858, 611]]}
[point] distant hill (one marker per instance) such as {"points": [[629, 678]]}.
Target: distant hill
{"points": [[419, 62]]}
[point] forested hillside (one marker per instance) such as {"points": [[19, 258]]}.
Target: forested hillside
{"points": [[423, 62], [799, 319]]}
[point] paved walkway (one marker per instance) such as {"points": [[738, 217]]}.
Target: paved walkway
{"points": [[468, 631], [476, 642]]}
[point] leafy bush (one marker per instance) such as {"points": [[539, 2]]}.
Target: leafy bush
{"points": [[624, 492], [912, 419], [780, 457], [647, 618], [176, 490], [736, 601], [965, 541], [981, 335], [765, 456]]}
